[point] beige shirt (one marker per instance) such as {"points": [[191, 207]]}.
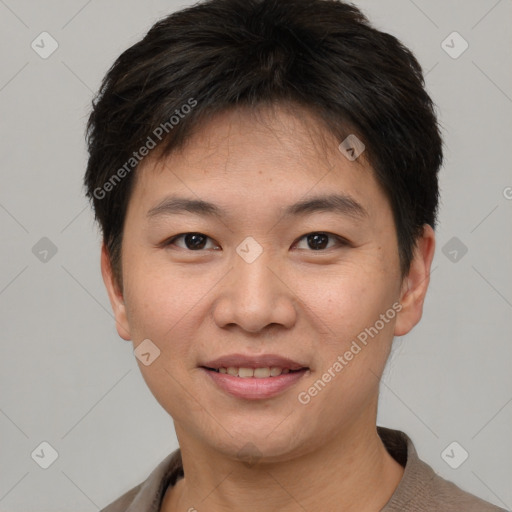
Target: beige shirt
{"points": [[419, 490]]}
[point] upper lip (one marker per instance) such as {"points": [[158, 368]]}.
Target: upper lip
{"points": [[259, 361]]}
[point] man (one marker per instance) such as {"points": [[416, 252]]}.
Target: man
{"points": [[265, 176]]}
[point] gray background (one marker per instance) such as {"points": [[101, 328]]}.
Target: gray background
{"points": [[66, 377]]}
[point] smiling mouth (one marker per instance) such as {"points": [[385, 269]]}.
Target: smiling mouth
{"points": [[257, 373]]}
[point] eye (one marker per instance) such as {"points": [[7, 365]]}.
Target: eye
{"points": [[193, 241], [318, 241]]}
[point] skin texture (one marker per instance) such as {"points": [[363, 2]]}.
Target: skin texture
{"points": [[295, 301]]}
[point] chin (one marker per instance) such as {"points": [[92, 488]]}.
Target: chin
{"points": [[254, 445]]}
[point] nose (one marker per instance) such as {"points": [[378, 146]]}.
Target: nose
{"points": [[255, 296]]}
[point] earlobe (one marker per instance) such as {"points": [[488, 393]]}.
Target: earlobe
{"points": [[115, 295], [415, 284]]}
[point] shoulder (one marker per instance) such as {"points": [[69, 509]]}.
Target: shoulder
{"points": [[147, 496], [421, 488], [122, 503], [446, 496]]}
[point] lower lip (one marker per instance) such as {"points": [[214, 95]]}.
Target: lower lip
{"points": [[254, 388]]}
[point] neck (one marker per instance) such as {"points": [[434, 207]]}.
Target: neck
{"points": [[352, 472]]}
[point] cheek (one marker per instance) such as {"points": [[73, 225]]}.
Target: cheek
{"points": [[164, 304], [161, 307], [353, 352], [150, 304], [345, 301]]}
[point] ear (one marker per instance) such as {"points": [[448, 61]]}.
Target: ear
{"points": [[415, 284], [115, 295]]}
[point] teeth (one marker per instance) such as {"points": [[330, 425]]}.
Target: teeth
{"points": [[259, 373], [245, 372]]}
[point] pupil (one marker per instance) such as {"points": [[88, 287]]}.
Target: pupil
{"points": [[318, 241], [195, 241]]}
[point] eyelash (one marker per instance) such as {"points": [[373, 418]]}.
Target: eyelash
{"points": [[341, 242]]}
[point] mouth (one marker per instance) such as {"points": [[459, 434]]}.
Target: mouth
{"points": [[256, 373], [254, 378], [262, 363]]}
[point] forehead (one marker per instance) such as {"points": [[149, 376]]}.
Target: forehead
{"points": [[291, 134], [274, 155]]}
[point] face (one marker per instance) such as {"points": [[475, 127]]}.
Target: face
{"points": [[310, 292]]}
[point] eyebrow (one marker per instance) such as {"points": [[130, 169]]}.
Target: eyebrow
{"points": [[340, 204]]}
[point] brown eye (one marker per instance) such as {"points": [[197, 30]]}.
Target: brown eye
{"points": [[319, 241], [192, 241]]}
